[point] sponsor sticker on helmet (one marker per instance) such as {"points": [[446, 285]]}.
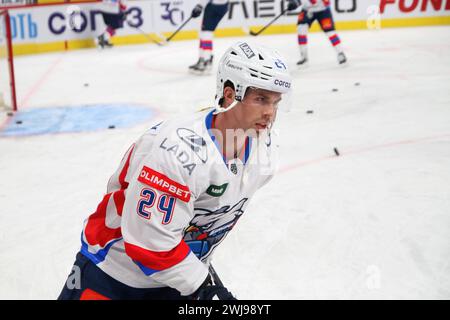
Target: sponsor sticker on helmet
{"points": [[233, 66], [282, 83], [247, 50], [280, 64]]}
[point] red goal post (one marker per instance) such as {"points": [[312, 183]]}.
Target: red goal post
{"points": [[7, 81]]}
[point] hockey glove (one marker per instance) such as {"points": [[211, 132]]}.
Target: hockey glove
{"points": [[293, 4], [209, 291], [197, 11]]}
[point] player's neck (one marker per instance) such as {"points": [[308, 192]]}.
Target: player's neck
{"points": [[232, 139]]}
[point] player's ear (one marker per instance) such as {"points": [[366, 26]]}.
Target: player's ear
{"points": [[229, 95]]}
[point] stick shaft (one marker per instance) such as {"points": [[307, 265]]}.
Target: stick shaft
{"points": [[178, 30], [270, 23], [215, 276]]}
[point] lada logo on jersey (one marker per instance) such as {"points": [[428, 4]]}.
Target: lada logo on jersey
{"points": [[282, 83], [216, 191], [195, 142], [247, 50], [182, 156]]}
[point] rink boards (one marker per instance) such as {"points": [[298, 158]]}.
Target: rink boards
{"points": [[66, 26]]}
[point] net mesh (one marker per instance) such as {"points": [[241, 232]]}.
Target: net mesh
{"points": [[6, 87]]}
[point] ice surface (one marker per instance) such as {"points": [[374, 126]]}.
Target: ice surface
{"points": [[373, 223]]}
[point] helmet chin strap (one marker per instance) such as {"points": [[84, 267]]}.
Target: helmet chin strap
{"points": [[220, 109]]}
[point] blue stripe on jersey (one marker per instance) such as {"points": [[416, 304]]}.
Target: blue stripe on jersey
{"points": [[208, 123], [100, 255], [248, 145], [146, 270], [198, 247], [248, 142]]}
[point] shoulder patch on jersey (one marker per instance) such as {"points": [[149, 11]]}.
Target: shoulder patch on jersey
{"points": [[163, 183], [216, 191], [195, 142], [154, 130]]}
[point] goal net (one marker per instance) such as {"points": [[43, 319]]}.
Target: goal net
{"points": [[7, 84]]}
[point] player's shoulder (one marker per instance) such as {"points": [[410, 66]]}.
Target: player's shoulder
{"points": [[180, 141]]}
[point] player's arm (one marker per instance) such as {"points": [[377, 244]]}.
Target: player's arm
{"points": [[158, 206]]}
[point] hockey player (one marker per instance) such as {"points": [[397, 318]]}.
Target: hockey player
{"points": [[181, 188], [315, 10], [215, 10], [113, 13]]}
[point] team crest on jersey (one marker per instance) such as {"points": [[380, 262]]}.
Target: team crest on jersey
{"points": [[195, 142], [233, 168], [208, 228]]}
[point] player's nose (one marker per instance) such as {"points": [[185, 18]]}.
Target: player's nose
{"points": [[269, 111]]}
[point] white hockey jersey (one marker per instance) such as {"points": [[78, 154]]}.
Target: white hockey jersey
{"points": [[172, 200], [315, 5]]}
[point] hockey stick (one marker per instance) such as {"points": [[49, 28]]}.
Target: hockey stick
{"points": [[150, 38], [215, 276], [269, 24], [178, 30]]}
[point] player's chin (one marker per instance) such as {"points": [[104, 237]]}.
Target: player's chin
{"points": [[260, 126], [258, 129]]}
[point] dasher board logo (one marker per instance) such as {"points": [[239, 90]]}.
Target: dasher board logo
{"points": [[247, 50], [216, 191]]}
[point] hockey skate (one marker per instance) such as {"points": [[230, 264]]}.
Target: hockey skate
{"points": [[303, 62], [202, 66], [341, 58], [103, 42]]}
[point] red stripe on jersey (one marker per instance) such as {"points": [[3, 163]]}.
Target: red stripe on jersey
{"points": [[119, 200], [123, 173], [161, 182], [157, 260], [89, 294], [96, 231]]}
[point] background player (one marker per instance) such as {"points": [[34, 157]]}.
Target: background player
{"points": [[181, 188], [215, 10], [113, 13], [316, 10]]}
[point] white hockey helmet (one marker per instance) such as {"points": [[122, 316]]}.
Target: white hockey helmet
{"points": [[248, 65]]}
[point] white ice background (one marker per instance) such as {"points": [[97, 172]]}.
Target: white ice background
{"points": [[373, 223]]}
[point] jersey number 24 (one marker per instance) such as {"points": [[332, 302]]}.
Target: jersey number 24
{"points": [[164, 204]]}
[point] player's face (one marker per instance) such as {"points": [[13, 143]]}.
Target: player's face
{"points": [[259, 108]]}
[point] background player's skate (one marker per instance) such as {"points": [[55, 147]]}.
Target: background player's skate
{"points": [[214, 11]]}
